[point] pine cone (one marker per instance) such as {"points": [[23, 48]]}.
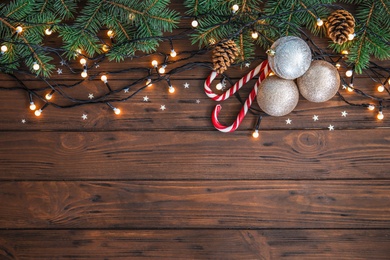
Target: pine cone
{"points": [[224, 55], [340, 24]]}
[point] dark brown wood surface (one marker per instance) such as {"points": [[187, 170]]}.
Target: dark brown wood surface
{"points": [[166, 185]]}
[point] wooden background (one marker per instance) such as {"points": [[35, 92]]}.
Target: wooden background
{"points": [[166, 184]]}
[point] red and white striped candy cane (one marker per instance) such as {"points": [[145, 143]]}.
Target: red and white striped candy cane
{"points": [[235, 87], [245, 108]]}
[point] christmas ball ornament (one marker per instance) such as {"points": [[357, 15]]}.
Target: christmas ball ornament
{"points": [[224, 55], [320, 82], [289, 57], [277, 96], [340, 26]]}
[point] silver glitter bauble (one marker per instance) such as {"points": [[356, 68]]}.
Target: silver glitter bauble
{"points": [[277, 97], [289, 57], [320, 82]]}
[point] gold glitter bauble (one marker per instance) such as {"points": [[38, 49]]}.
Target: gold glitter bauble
{"points": [[320, 82], [289, 57], [277, 97]]}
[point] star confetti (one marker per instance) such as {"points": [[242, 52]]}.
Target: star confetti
{"points": [[97, 66], [331, 127], [90, 96], [162, 107], [146, 98], [24, 121], [186, 85], [315, 118], [84, 116], [288, 121], [126, 90], [344, 113], [59, 71], [247, 64], [197, 101], [63, 62]]}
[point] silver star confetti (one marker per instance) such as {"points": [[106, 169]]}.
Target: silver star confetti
{"points": [[197, 101], [146, 98], [247, 64], [126, 90], [288, 121], [90, 96], [59, 71], [344, 113], [62, 62], [84, 116], [97, 66], [24, 121], [315, 118], [162, 107], [331, 127], [186, 85]]}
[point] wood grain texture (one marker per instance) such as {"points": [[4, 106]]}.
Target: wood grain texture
{"points": [[310, 154], [195, 244], [195, 204]]}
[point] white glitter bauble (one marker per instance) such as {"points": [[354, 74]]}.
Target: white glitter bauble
{"points": [[320, 82], [289, 57], [277, 97]]}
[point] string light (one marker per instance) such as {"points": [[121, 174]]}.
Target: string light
{"points": [[36, 66], [103, 78], [380, 115], [255, 35], [38, 112], [32, 106], [116, 110], [110, 33], [351, 36], [84, 74], [171, 89], [219, 86], [350, 87], [131, 16], [194, 23], [235, 8], [381, 88], [149, 82], [371, 107], [320, 22], [105, 48], [4, 48], [162, 69], [255, 133], [48, 31], [344, 52], [19, 29], [154, 63], [338, 65], [349, 73], [48, 96], [173, 53], [83, 61]]}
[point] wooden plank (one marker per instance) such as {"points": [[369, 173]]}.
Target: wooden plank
{"points": [[195, 244], [195, 204], [194, 155]]}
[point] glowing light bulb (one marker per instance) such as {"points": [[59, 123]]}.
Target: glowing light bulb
{"points": [[32, 106], [78, 51], [371, 107], [255, 35], [149, 83], [48, 31], [351, 36], [344, 52], [271, 73], [350, 88], [338, 65], [235, 8], [38, 112], [103, 78], [161, 70], [105, 48], [255, 134], [320, 22], [212, 41], [349, 73], [171, 89], [219, 86], [36, 66], [388, 81], [380, 115], [117, 111], [19, 29], [173, 53], [4, 48], [110, 33], [194, 23], [48, 96], [84, 74], [131, 16], [381, 88], [154, 63], [83, 61]]}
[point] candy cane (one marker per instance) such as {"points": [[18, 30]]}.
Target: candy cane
{"points": [[235, 87], [243, 110]]}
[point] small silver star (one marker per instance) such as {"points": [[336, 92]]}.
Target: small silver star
{"points": [[197, 101], [84, 116], [162, 107], [63, 62], [186, 85], [315, 118], [344, 113], [247, 64], [344, 86], [59, 71], [126, 90], [90, 96], [288, 121], [146, 98], [331, 127], [24, 121], [97, 66]]}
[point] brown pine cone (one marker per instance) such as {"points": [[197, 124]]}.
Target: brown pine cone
{"points": [[224, 55], [339, 25]]}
